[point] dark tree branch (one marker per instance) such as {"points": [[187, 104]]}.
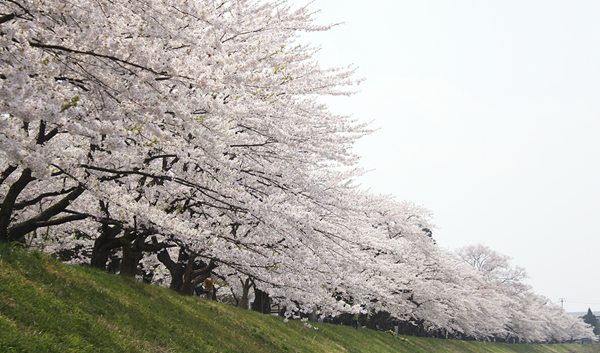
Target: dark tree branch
{"points": [[150, 159], [261, 144], [37, 44], [155, 247], [19, 230], [166, 260], [74, 81], [205, 270], [11, 16], [21, 205], [7, 172], [44, 137], [9, 201], [6, 18], [20, 6], [58, 221]]}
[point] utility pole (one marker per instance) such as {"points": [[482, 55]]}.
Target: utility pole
{"points": [[562, 301]]}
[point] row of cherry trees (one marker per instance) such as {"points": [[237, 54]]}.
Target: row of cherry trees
{"points": [[178, 140]]}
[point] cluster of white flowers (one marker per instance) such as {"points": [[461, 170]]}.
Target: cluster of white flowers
{"points": [[185, 139]]}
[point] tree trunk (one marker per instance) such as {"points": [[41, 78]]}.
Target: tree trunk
{"points": [[186, 273], [177, 278], [187, 287], [176, 269], [134, 246], [244, 301], [104, 244], [132, 256], [262, 301], [100, 254], [195, 273]]}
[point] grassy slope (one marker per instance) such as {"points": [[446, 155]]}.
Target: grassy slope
{"points": [[46, 306]]}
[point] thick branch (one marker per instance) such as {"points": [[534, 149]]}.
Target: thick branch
{"points": [[6, 18], [204, 271], [21, 205], [153, 248], [44, 137], [7, 172], [9, 201], [166, 260], [58, 221], [20, 229]]}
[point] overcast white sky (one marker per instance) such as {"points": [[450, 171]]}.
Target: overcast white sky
{"points": [[488, 115]]}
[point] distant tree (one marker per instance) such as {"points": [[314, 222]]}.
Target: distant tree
{"points": [[492, 265], [592, 320]]}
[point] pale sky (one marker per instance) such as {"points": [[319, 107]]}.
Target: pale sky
{"points": [[489, 115]]}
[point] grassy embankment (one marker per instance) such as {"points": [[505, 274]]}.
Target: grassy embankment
{"points": [[46, 306]]}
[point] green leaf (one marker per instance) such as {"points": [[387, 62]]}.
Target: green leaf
{"points": [[69, 103], [135, 128], [151, 143], [279, 68]]}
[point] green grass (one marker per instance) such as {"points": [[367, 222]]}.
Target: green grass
{"points": [[46, 306]]}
